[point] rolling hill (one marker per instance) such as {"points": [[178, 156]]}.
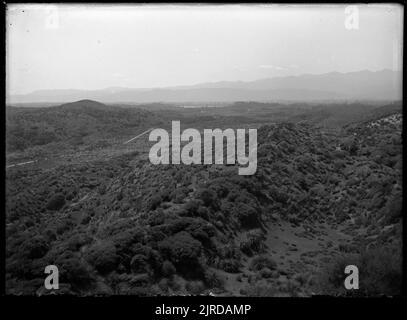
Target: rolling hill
{"points": [[71, 123]]}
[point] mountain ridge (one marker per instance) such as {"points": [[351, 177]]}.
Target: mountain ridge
{"points": [[360, 85]]}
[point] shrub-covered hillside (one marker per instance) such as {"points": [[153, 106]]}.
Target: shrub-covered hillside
{"points": [[124, 226], [71, 123]]}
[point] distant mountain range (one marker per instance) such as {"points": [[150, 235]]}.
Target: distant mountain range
{"points": [[361, 85]]}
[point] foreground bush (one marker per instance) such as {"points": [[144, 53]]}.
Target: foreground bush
{"points": [[182, 250], [261, 262], [56, 202], [380, 272], [103, 256], [34, 248]]}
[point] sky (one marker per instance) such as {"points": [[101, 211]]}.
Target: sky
{"points": [[95, 47]]}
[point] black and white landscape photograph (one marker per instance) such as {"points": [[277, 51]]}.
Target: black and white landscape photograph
{"points": [[204, 150]]}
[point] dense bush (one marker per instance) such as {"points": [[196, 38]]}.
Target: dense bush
{"points": [[139, 263], [179, 194], [262, 261], [195, 287], [192, 207], [168, 268], [77, 241], [212, 280], [179, 222], [56, 202], [278, 195], [248, 216], [393, 209], [380, 272], [35, 247], [181, 249], [208, 197], [155, 201], [103, 256], [74, 272], [254, 243]]}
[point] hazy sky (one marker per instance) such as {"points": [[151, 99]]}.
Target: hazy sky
{"points": [[94, 47]]}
